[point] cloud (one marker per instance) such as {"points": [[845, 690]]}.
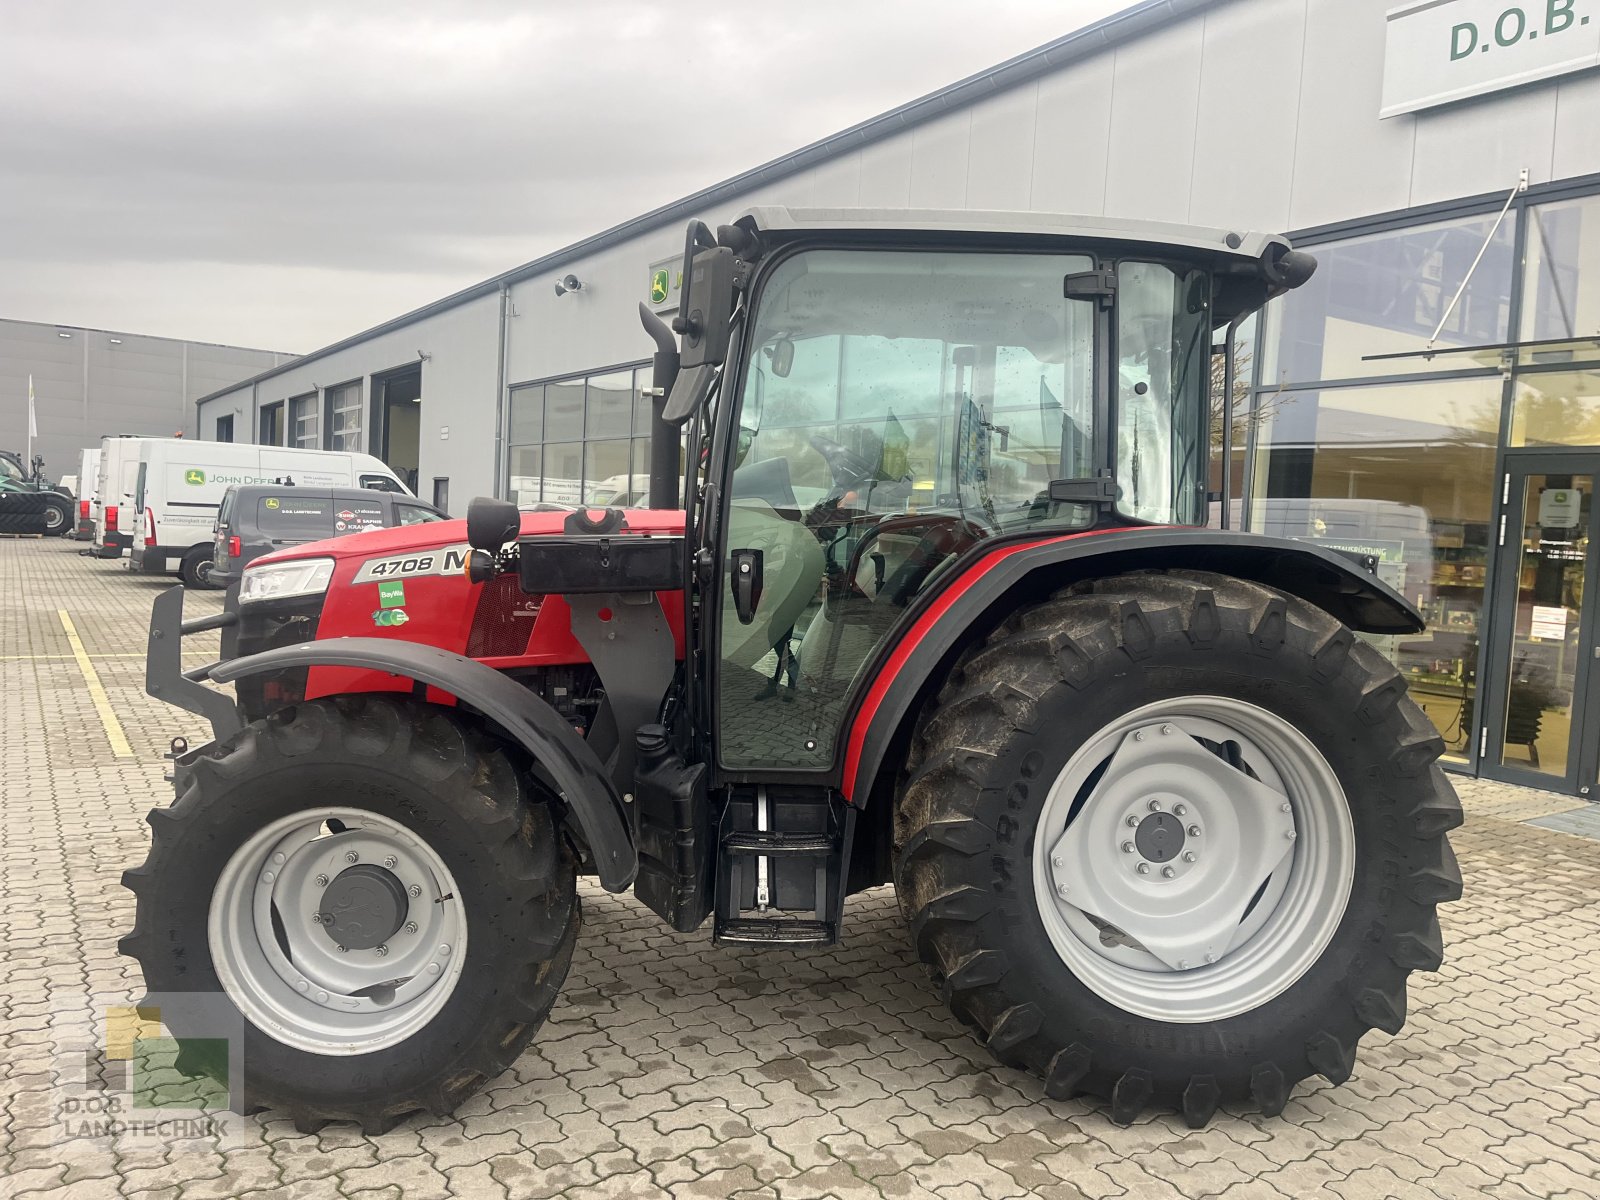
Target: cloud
{"points": [[285, 175]]}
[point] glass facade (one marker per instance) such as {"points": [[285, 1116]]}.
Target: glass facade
{"points": [[581, 441], [1403, 457]]}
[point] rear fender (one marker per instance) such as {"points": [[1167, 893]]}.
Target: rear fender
{"points": [[577, 773], [1007, 576]]}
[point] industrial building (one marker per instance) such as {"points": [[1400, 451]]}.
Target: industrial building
{"points": [[1432, 397], [90, 383]]}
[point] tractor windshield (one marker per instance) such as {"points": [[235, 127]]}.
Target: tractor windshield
{"points": [[902, 406]]}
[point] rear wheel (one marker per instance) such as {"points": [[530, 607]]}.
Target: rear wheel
{"points": [[196, 567], [57, 514], [368, 886], [1176, 840]]}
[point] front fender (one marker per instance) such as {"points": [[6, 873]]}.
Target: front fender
{"points": [[579, 776], [1003, 576]]}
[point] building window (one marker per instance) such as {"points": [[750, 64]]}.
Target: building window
{"points": [[344, 416], [1404, 471], [225, 428], [270, 432], [1561, 280], [303, 423], [1385, 293], [580, 441]]}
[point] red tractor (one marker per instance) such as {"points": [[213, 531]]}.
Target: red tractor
{"points": [[940, 610]]}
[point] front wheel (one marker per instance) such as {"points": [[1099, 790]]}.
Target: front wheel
{"points": [[1176, 839], [57, 514], [366, 883]]}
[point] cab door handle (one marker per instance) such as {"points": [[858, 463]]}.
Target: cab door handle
{"points": [[746, 566]]}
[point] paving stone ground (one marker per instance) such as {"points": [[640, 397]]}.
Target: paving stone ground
{"points": [[672, 1067]]}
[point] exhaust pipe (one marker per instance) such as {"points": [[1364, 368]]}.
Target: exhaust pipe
{"points": [[663, 435]]}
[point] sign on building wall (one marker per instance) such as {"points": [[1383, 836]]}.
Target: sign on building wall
{"points": [[1437, 51], [666, 280]]}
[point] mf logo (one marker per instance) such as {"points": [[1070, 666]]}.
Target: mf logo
{"points": [[195, 477]]}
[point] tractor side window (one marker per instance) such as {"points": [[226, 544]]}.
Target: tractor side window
{"points": [[900, 407], [1163, 382]]}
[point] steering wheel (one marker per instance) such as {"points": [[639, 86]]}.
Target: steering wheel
{"points": [[847, 468]]}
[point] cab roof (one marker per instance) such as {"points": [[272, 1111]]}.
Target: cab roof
{"points": [[1238, 244]]}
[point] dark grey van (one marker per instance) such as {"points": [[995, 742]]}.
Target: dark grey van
{"points": [[256, 519]]}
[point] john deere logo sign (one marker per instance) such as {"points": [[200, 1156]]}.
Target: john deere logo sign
{"points": [[659, 286], [195, 477], [666, 281], [1438, 51]]}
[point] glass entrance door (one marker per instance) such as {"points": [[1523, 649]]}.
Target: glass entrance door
{"points": [[1543, 693]]}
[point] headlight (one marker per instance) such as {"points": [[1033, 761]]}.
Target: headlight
{"points": [[275, 581]]}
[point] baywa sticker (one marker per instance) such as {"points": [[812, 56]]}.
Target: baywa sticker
{"points": [[392, 593], [389, 617], [446, 560]]}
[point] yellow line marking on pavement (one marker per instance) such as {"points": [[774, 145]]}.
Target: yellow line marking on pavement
{"points": [[97, 692]]}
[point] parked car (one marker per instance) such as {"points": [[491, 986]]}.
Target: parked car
{"points": [[179, 485], [254, 520]]}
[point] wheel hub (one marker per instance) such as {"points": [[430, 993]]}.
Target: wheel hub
{"points": [[1159, 837], [363, 908]]}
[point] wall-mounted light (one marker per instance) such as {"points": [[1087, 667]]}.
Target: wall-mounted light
{"points": [[568, 283], [62, 333], [116, 341]]}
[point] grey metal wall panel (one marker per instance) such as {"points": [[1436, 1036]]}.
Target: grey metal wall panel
{"points": [[886, 172], [1153, 123], [1481, 145], [1576, 143], [1000, 162], [838, 182], [1347, 162], [939, 161], [1249, 114], [1072, 138]]}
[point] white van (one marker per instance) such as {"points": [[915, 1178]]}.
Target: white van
{"points": [[179, 485], [111, 501], [84, 490]]}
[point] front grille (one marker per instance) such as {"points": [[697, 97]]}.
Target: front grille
{"points": [[504, 619]]}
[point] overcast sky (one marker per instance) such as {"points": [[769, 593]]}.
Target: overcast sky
{"points": [[284, 174]]}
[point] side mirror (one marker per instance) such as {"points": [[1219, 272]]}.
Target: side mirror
{"points": [[492, 523]]}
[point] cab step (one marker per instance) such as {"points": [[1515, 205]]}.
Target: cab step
{"points": [[781, 859]]}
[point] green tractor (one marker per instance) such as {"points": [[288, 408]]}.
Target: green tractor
{"points": [[29, 502]]}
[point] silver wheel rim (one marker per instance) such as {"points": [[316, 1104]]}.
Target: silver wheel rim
{"points": [[278, 960], [1246, 844]]}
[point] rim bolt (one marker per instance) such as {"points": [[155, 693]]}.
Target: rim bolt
{"points": [[1188, 856], [1133, 822], [1166, 729], [1284, 807], [1167, 872], [322, 881], [1144, 868], [1211, 958], [1183, 964], [1179, 810], [351, 856], [1194, 831], [1056, 861], [1154, 806], [267, 877], [1127, 847], [1062, 888], [414, 890], [1138, 735], [390, 861], [382, 950], [1290, 835], [411, 926], [342, 950]]}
